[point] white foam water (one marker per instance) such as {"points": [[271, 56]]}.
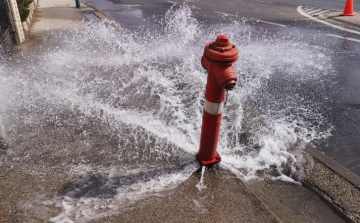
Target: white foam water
{"points": [[84, 209], [143, 92], [201, 186]]}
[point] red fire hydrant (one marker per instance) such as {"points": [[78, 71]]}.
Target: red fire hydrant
{"points": [[217, 60]]}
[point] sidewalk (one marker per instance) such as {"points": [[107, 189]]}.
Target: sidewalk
{"points": [[60, 15], [349, 22], [55, 15], [225, 199]]}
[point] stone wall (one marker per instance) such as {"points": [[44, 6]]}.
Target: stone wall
{"points": [[32, 7], [12, 19]]}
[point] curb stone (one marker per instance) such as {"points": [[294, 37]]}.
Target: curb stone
{"points": [[101, 15], [334, 183]]}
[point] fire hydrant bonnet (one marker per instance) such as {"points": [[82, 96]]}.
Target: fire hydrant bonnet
{"points": [[221, 50]]}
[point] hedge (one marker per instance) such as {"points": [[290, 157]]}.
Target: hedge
{"points": [[23, 6]]}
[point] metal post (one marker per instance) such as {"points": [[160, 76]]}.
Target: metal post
{"points": [[77, 3]]}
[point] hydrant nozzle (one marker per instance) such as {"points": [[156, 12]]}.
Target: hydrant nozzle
{"points": [[217, 60]]}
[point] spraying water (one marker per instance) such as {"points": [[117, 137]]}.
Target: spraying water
{"points": [[123, 109], [201, 186]]}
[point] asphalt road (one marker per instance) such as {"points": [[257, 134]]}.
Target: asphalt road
{"points": [[344, 110], [330, 4]]}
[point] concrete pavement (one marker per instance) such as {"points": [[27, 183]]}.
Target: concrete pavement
{"points": [[332, 18], [60, 15], [226, 198], [55, 15]]}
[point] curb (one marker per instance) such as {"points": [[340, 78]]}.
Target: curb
{"points": [[337, 185], [356, 26], [101, 15], [334, 166], [337, 19], [333, 22]]}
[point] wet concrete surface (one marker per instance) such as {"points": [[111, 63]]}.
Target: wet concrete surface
{"points": [[37, 169], [21, 183], [225, 198], [183, 204], [188, 204], [293, 203]]}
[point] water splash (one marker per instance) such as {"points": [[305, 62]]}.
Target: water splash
{"points": [[201, 186], [116, 103]]}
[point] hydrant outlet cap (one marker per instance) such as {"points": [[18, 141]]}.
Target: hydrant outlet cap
{"points": [[222, 40], [221, 50]]}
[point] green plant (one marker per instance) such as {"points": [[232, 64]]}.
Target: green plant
{"points": [[23, 6]]}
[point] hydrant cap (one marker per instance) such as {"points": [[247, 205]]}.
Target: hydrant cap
{"points": [[221, 50], [222, 40]]}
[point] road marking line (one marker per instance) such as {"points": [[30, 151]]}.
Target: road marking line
{"points": [[316, 10], [322, 12], [225, 14], [308, 9], [265, 2], [194, 7], [344, 37], [299, 10], [271, 23]]}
